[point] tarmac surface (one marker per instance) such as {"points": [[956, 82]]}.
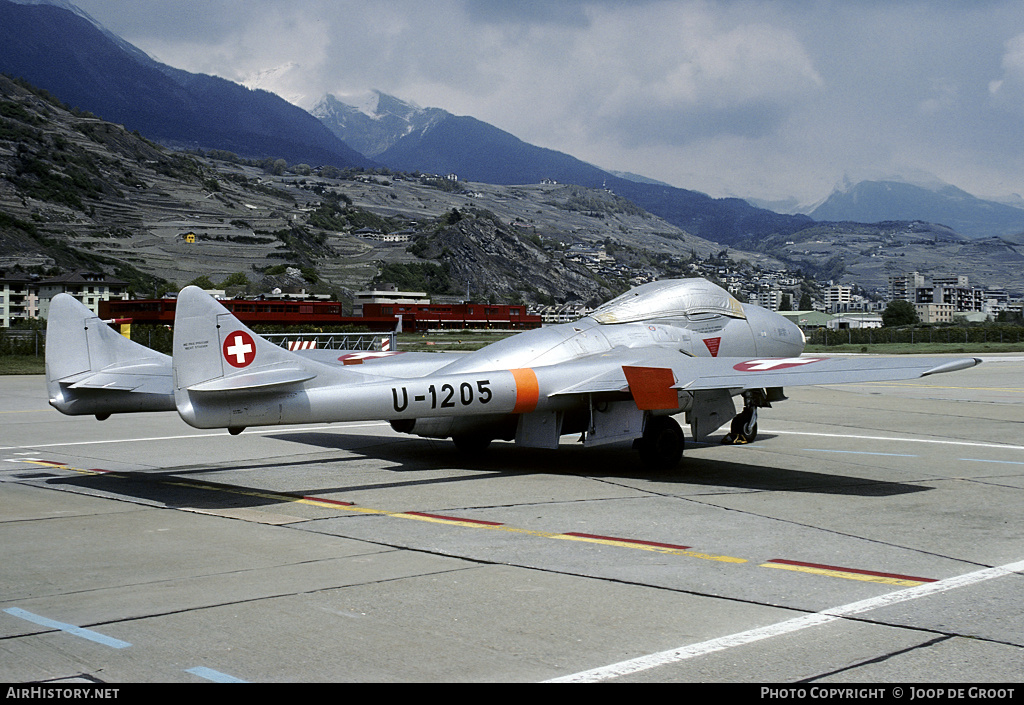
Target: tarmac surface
{"points": [[871, 534]]}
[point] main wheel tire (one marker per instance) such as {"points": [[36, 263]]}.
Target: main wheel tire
{"points": [[661, 447], [471, 445]]}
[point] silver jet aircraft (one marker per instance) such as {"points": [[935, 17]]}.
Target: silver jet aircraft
{"points": [[619, 374]]}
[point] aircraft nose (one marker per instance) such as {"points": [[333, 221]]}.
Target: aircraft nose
{"points": [[774, 335]]}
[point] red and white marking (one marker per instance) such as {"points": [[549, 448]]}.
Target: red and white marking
{"points": [[713, 344], [777, 363], [239, 349], [301, 345], [359, 357]]}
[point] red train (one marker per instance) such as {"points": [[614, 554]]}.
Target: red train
{"points": [[412, 317]]}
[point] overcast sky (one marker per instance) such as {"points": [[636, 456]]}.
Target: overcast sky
{"points": [[767, 99]]}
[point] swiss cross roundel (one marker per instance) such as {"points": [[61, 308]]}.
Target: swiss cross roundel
{"points": [[239, 349], [776, 363]]}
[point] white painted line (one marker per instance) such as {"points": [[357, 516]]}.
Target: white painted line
{"points": [[212, 675], [683, 653], [1002, 462], [859, 452], [1005, 446], [68, 628]]}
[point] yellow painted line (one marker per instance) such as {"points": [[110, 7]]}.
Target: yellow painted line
{"points": [[434, 519], [647, 547], [449, 521], [341, 507], [883, 580]]}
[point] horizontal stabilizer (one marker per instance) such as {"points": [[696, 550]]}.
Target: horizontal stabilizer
{"points": [[258, 379]]}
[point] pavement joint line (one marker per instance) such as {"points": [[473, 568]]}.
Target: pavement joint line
{"points": [[635, 544], [255, 431], [431, 518], [683, 653]]}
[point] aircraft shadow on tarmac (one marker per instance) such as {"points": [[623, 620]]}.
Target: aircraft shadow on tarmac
{"points": [[406, 457]]}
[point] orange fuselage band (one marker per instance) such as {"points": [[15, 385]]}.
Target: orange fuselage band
{"points": [[527, 390]]}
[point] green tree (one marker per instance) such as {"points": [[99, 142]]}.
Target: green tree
{"points": [[236, 279], [805, 302], [899, 313]]}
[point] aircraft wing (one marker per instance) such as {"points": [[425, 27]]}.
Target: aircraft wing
{"points": [[665, 372]]}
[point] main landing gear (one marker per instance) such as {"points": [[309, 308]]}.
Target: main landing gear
{"points": [[661, 446]]}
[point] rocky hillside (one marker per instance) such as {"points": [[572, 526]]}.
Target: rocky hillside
{"points": [[867, 254], [78, 192]]}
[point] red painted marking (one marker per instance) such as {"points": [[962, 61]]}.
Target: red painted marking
{"points": [[636, 541], [772, 364], [239, 349], [330, 501], [853, 570], [713, 345], [447, 518], [359, 358], [652, 387]]}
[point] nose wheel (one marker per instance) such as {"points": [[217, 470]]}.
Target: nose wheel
{"points": [[744, 426]]}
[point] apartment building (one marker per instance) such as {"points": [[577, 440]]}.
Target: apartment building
{"points": [[88, 287], [954, 291], [19, 298]]}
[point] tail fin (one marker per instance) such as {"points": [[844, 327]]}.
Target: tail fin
{"points": [[91, 369], [217, 358]]}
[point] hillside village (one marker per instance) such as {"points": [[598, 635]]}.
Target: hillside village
{"points": [[617, 261]]}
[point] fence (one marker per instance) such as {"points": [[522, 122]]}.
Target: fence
{"points": [[336, 341], [33, 342], [914, 336], [22, 342]]}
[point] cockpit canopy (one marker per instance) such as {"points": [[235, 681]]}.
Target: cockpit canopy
{"points": [[672, 298]]}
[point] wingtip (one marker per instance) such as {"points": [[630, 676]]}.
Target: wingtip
{"points": [[954, 365]]}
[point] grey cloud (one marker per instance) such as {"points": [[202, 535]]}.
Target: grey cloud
{"points": [[719, 87]]}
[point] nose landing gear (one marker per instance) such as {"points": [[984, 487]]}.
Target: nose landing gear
{"points": [[743, 428]]}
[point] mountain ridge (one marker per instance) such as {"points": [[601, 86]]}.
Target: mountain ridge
{"points": [[477, 151], [887, 200], [70, 56]]}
